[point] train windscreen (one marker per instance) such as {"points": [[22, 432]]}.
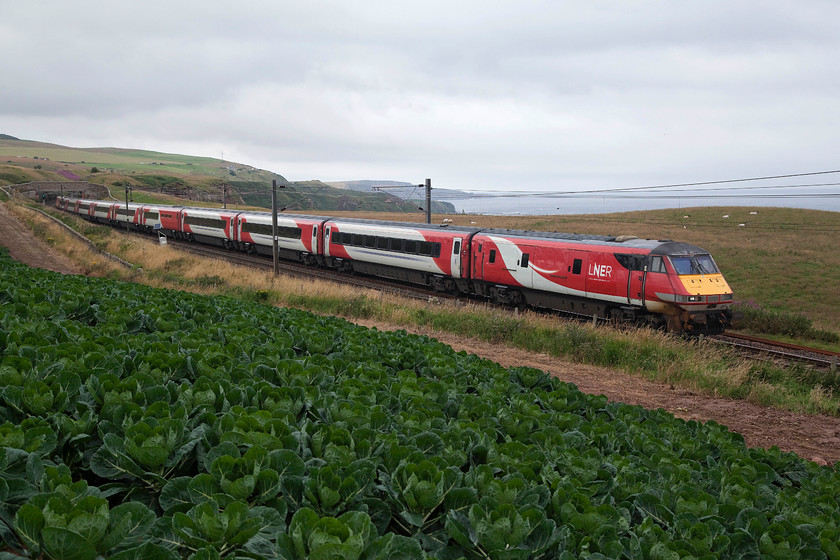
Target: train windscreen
{"points": [[699, 264]]}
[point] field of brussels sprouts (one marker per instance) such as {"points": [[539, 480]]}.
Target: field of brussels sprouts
{"points": [[143, 423]]}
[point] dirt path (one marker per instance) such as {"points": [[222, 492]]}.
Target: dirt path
{"points": [[25, 247], [814, 437]]}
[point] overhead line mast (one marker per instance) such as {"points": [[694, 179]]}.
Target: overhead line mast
{"points": [[427, 185]]}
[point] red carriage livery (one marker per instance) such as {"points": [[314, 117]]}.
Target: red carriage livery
{"points": [[663, 283]]}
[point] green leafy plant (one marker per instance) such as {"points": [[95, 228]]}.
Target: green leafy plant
{"points": [[191, 427]]}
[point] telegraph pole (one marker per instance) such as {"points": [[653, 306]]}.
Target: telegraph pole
{"points": [[126, 206], [428, 201], [274, 225]]}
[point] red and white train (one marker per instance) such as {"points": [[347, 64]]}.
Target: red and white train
{"points": [[665, 284]]}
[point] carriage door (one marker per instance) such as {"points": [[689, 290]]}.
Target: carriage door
{"points": [[455, 265], [315, 240], [636, 280], [478, 262], [524, 274]]}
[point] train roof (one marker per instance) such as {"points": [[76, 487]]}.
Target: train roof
{"points": [[583, 238], [441, 227], [677, 249], [654, 246]]}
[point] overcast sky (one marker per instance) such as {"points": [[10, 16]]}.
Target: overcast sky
{"points": [[480, 94]]}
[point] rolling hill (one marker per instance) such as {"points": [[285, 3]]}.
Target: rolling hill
{"points": [[192, 177]]}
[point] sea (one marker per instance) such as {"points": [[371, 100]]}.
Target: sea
{"points": [[535, 204]]}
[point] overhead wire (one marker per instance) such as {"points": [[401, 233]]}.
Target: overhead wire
{"points": [[654, 187]]}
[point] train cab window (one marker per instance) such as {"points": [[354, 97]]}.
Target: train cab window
{"points": [[706, 265], [577, 266], [700, 264], [524, 263], [456, 248], [492, 258], [657, 265]]}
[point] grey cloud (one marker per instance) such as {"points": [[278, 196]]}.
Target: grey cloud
{"points": [[480, 93]]}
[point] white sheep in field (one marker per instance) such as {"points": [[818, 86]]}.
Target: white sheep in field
{"points": [[753, 213], [726, 215]]}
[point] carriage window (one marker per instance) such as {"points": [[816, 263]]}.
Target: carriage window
{"points": [[577, 266], [492, 258], [456, 248], [267, 230], [631, 261], [410, 246], [381, 242], [524, 263], [657, 264]]}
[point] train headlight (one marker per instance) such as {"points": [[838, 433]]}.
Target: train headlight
{"points": [[689, 299]]}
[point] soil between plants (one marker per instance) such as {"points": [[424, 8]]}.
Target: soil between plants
{"points": [[812, 437]]}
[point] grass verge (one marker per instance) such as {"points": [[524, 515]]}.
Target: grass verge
{"points": [[758, 319], [698, 367]]}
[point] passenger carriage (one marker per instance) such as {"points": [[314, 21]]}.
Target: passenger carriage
{"points": [[419, 253], [298, 237]]}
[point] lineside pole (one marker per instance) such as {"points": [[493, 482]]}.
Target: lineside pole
{"points": [[428, 201], [274, 225]]}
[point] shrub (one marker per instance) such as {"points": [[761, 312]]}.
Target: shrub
{"points": [[767, 321]]}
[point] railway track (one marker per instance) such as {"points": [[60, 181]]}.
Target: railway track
{"points": [[779, 351], [748, 346]]}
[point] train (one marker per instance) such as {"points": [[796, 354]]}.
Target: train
{"points": [[663, 284]]}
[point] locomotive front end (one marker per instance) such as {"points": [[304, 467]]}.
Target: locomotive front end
{"points": [[700, 298]]}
